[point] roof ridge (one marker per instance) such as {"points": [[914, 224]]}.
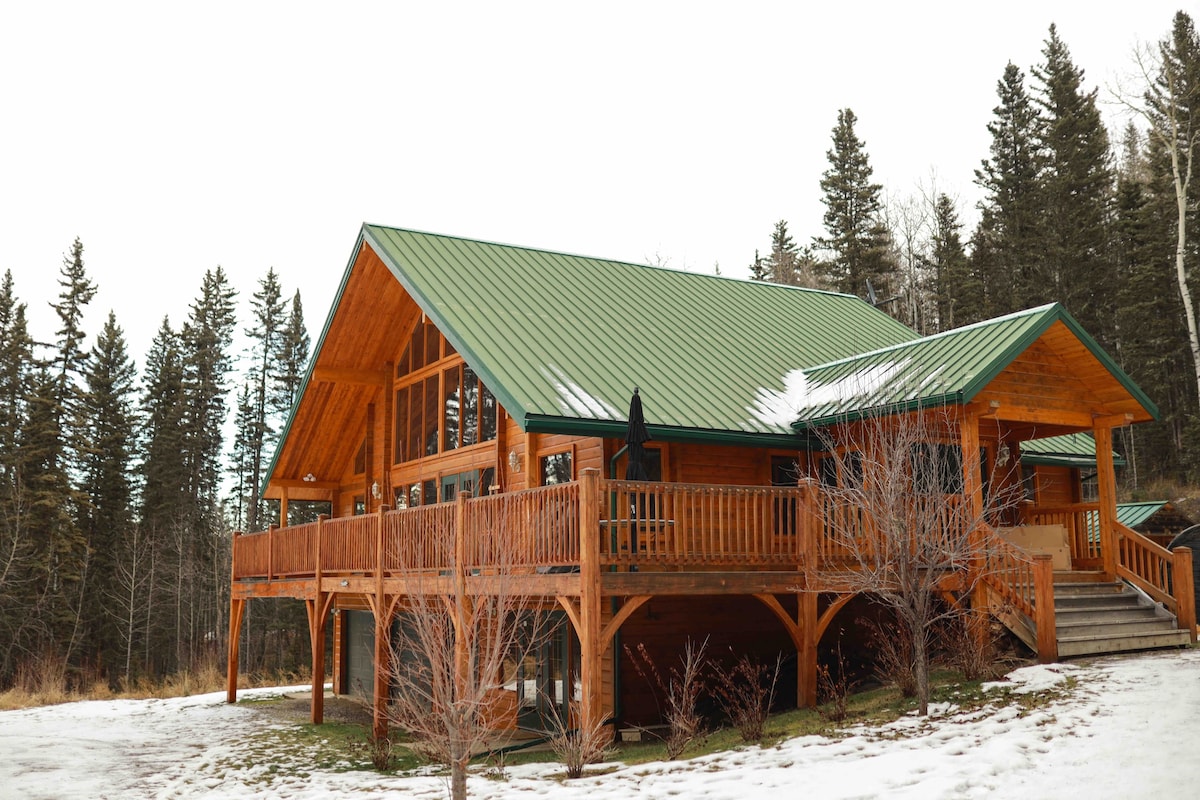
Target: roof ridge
{"points": [[933, 336], [510, 245]]}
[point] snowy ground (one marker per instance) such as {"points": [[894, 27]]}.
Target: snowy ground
{"points": [[1128, 730]]}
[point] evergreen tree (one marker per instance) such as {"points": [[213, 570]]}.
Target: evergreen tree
{"points": [[957, 294], [781, 264], [109, 429], [1006, 247], [18, 551], [758, 268], [857, 240], [1077, 268], [293, 359], [164, 496], [266, 338]]}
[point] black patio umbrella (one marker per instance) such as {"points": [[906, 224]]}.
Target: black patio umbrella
{"points": [[635, 436]]}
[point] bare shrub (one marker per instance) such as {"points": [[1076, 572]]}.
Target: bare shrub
{"points": [[969, 643], [893, 656], [376, 749], [745, 692], [833, 688], [682, 691], [583, 744]]}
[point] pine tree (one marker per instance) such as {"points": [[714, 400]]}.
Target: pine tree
{"points": [[292, 361], [18, 550], [165, 496], [781, 263], [110, 424], [1077, 193], [266, 337], [1006, 246], [958, 296], [857, 240], [758, 268]]}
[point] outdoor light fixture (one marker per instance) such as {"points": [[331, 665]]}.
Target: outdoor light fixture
{"points": [[375, 493], [514, 461], [310, 478], [1002, 454], [345, 583]]}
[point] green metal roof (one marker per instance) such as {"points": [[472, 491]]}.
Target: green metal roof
{"points": [[563, 339], [1133, 514], [949, 367], [1067, 450]]}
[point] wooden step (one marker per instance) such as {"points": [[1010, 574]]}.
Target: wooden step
{"points": [[1091, 645]]}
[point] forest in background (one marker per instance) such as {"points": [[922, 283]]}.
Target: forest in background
{"points": [[119, 489]]}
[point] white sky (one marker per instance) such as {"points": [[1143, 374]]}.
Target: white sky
{"points": [[174, 138]]}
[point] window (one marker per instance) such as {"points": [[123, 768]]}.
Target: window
{"points": [[784, 472], [556, 468], [441, 412], [852, 464], [937, 468], [360, 505]]}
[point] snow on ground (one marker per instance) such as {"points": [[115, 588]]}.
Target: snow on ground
{"points": [[1127, 730]]}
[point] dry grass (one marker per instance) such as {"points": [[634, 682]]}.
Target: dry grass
{"points": [[44, 681]]}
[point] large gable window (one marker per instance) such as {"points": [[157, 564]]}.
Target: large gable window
{"points": [[441, 405]]}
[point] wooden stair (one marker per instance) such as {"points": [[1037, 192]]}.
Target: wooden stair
{"points": [[1110, 617]]}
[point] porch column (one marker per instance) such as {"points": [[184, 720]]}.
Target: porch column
{"points": [[972, 493], [283, 507], [806, 671], [383, 668], [590, 649], [1106, 480], [339, 655]]}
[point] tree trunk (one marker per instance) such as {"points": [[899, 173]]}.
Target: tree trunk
{"points": [[921, 670]]}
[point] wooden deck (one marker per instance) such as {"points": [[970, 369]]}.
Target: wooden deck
{"points": [[572, 544]]}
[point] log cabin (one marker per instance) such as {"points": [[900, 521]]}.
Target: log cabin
{"points": [[455, 377]]}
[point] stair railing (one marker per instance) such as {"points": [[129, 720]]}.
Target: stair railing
{"points": [[1164, 575]]}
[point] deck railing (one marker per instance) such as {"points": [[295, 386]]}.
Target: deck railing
{"points": [[1164, 575], [655, 525], [684, 524]]}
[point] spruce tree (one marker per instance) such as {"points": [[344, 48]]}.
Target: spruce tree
{"points": [[266, 342], [1077, 268], [292, 361], [19, 573], [958, 296], [109, 427], [857, 240], [1006, 247]]}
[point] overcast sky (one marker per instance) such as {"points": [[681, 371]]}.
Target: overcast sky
{"points": [[172, 138]]}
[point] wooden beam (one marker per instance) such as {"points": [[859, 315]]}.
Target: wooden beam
{"points": [[358, 377], [630, 605], [300, 483], [1043, 608]]}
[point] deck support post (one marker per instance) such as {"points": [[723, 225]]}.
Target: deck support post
{"points": [[973, 491], [1043, 608], [236, 608], [806, 672], [317, 614], [1106, 482], [463, 607], [590, 646]]}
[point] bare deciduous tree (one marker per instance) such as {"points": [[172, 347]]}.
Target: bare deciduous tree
{"points": [[1166, 99], [463, 628], [900, 519]]}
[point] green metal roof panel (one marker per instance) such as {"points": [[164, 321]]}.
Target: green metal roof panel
{"points": [[567, 337], [1066, 450], [1133, 514], [943, 368], [948, 367]]}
